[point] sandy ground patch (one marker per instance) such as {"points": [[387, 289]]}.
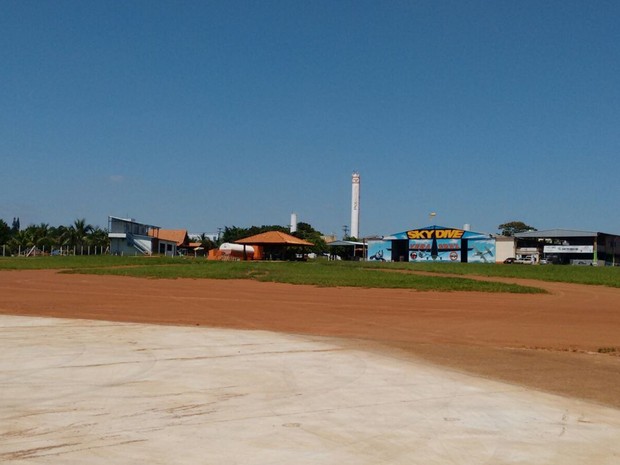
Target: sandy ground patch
{"points": [[80, 391]]}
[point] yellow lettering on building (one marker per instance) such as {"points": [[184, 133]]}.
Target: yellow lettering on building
{"points": [[436, 233]]}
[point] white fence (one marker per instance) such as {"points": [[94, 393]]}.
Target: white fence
{"points": [[65, 250]]}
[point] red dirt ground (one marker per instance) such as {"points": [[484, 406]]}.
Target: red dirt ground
{"points": [[549, 342]]}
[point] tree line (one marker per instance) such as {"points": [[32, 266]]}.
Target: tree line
{"points": [[78, 236]]}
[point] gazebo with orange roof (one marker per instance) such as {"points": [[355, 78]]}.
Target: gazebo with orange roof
{"points": [[272, 244]]}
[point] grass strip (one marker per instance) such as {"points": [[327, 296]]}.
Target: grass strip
{"points": [[592, 275], [83, 262], [319, 273]]}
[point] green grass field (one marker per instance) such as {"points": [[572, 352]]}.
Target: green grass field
{"points": [[149, 266], [324, 273], [320, 273]]}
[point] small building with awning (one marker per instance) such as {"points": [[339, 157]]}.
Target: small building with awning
{"points": [[275, 245]]}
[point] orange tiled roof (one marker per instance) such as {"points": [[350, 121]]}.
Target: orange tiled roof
{"points": [[273, 237], [179, 236]]}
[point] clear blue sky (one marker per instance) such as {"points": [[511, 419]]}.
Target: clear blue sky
{"points": [[200, 115]]}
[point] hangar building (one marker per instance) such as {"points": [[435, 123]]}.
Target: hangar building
{"points": [[434, 243], [567, 246]]}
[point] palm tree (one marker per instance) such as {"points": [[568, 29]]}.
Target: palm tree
{"points": [[99, 237], [82, 230], [42, 236], [21, 241], [76, 235]]}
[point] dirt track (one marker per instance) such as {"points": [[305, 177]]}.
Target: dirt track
{"points": [[548, 342]]}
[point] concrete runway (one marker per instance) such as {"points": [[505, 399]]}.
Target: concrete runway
{"points": [[88, 392]]}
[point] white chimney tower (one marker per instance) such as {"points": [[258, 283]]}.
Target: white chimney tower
{"points": [[355, 205], [293, 223]]}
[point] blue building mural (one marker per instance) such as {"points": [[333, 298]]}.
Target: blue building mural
{"points": [[434, 244]]}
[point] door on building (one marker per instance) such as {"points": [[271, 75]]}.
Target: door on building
{"points": [[400, 250]]}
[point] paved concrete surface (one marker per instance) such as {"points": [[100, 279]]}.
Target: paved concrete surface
{"points": [[86, 392]]}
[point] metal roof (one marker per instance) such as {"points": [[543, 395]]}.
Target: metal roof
{"points": [[556, 233], [132, 221], [345, 243], [466, 234]]}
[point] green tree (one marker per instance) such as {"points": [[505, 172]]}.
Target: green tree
{"points": [[76, 235], [513, 227], [5, 232], [82, 230], [20, 241], [42, 236], [98, 237], [233, 233], [306, 232], [206, 243]]}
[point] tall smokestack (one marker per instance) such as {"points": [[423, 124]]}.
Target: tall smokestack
{"points": [[355, 205], [293, 222]]}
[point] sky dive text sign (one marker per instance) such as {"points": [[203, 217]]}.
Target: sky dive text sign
{"points": [[435, 233]]}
